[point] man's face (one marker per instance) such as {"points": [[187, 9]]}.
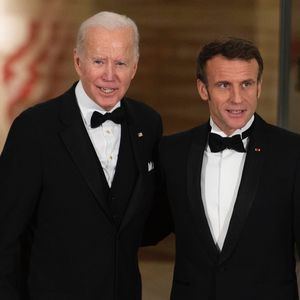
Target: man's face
{"points": [[106, 64], [232, 91]]}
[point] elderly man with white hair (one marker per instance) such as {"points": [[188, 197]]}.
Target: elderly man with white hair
{"points": [[77, 178]]}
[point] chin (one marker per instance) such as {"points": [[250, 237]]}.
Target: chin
{"points": [[238, 122], [107, 105]]}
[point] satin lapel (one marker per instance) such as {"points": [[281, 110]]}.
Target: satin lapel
{"points": [[137, 142], [248, 187], [194, 167], [80, 148]]}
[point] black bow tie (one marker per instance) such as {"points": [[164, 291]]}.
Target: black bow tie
{"points": [[117, 116], [217, 143]]}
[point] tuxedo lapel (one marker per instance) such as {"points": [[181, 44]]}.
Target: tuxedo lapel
{"points": [[248, 187], [137, 142], [194, 166], [80, 148]]}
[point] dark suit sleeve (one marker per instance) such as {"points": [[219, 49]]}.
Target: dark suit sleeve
{"points": [[159, 223], [297, 207], [20, 178]]}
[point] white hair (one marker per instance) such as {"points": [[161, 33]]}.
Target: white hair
{"points": [[108, 20]]}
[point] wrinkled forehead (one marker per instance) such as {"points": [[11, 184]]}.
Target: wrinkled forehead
{"points": [[117, 41], [220, 67]]}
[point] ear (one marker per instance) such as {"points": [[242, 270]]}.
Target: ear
{"points": [[202, 90], [259, 84], [134, 69], [77, 62]]}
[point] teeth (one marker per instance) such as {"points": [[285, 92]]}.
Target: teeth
{"points": [[235, 111], [107, 90]]}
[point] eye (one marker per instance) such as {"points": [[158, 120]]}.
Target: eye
{"points": [[98, 62], [223, 84], [120, 63], [247, 83]]}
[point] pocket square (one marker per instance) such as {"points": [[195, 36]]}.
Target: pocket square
{"points": [[150, 166]]}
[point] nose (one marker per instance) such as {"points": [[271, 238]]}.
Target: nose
{"points": [[236, 95], [109, 72]]}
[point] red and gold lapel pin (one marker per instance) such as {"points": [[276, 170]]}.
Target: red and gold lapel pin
{"points": [[257, 149]]}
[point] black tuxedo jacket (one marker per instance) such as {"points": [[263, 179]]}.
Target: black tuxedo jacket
{"points": [[257, 261], [50, 185]]}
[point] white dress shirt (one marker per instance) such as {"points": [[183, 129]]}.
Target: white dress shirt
{"points": [[220, 180], [105, 138]]}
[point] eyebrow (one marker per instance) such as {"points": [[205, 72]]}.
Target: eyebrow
{"points": [[249, 79]]}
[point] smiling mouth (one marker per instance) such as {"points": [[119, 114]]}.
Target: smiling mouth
{"points": [[107, 90], [235, 111]]}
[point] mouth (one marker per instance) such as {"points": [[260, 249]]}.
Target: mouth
{"points": [[236, 112], [107, 91]]}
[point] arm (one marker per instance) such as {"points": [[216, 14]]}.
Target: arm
{"points": [[20, 178], [159, 223], [297, 207]]}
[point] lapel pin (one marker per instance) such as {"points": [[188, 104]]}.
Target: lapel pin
{"points": [[257, 149], [140, 134]]}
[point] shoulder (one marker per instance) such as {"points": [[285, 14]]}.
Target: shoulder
{"points": [[280, 139], [181, 141], [277, 132], [284, 139], [177, 147], [49, 108], [43, 115], [140, 109], [143, 117], [185, 136], [280, 132]]}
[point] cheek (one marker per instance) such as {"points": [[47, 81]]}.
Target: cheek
{"points": [[90, 74], [253, 98], [213, 108], [126, 79], [218, 101]]}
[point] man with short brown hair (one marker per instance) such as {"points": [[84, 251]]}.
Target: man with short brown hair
{"points": [[233, 186]]}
